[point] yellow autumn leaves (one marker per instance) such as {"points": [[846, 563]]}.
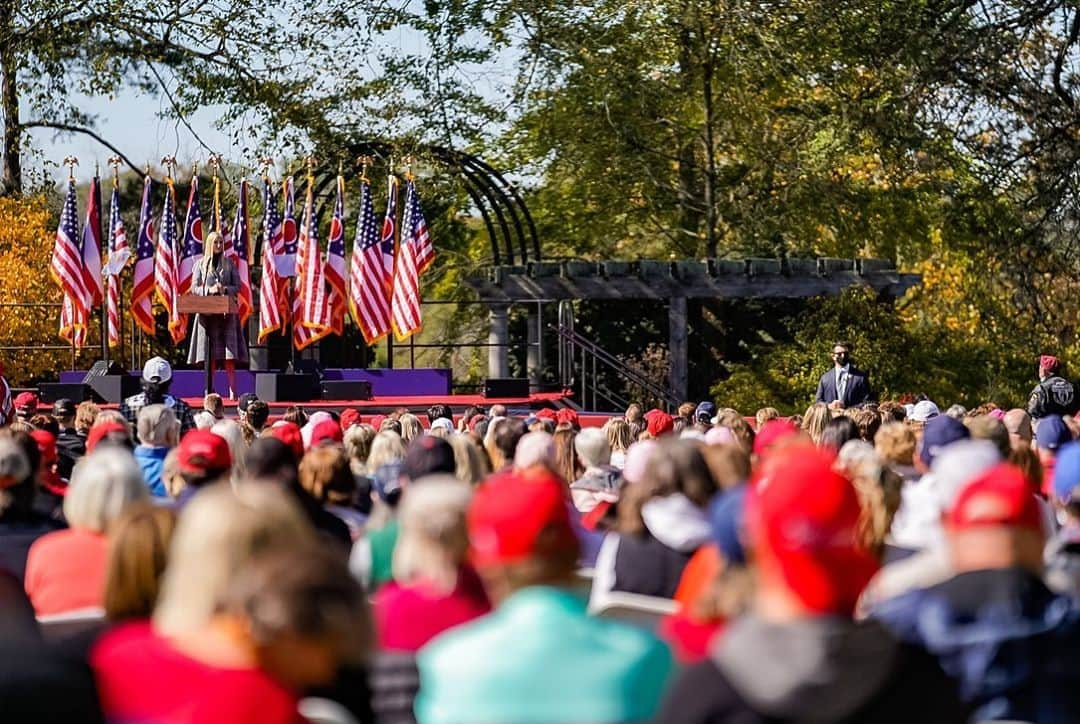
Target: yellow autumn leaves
{"points": [[29, 299]]}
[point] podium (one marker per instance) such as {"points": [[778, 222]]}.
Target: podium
{"points": [[211, 304]]}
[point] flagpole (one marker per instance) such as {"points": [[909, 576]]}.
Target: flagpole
{"points": [[115, 162], [104, 301]]}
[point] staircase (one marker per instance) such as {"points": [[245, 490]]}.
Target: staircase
{"points": [[584, 365]]}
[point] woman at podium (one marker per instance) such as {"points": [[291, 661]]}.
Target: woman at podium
{"points": [[217, 337]]}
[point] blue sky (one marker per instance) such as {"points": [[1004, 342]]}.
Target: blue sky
{"points": [[130, 122]]}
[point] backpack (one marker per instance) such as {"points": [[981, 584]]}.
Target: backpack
{"points": [[1058, 397]]}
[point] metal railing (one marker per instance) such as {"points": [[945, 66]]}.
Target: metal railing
{"points": [[582, 363]]}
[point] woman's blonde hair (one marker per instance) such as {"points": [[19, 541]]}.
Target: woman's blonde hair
{"points": [[410, 427], [878, 488], [357, 441], [471, 464], [207, 261], [433, 542], [618, 434], [102, 484], [387, 447], [814, 421], [138, 551], [895, 443], [85, 415], [218, 534]]}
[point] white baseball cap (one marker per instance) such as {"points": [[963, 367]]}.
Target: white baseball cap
{"points": [[924, 410], [157, 369]]}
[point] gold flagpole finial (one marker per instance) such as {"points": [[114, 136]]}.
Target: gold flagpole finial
{"points": [[97, 168], [71, 162], [169, 162], [309, 162], [114, 162], [215, 162], [267, 163], [365, 162], [409, 161]]}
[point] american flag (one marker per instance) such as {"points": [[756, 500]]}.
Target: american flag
{"points": [[388, 234], [73, 324], [192, 246], [66, 269], [425, 250], [143, 283], [240, 251], [405, 312], [311, 319], [118, 257], [335, 262], [270, 285], [91, 247], [286, 261], [165, 263], [368, 300]]}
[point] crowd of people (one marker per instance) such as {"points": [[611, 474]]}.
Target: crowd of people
{"points": [[873, 562]]}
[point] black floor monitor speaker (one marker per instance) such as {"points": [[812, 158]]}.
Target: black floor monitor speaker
{"points": [[506, 387], [75, 391], [114, 388], [275, 387], [346, 390]]}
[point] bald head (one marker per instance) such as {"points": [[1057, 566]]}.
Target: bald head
{"points": [[1018, 423]]}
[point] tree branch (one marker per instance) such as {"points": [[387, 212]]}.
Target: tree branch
{"points": [[85, 131]]}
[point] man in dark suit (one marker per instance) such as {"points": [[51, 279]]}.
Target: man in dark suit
{"points": [[843, 385]]}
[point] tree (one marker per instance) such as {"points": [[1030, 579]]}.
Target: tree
{"points": [[29, 300]]}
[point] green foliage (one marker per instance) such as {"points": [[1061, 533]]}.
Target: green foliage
{"points": [[902, 359]]}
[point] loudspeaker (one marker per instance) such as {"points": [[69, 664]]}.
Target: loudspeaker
{"points": [[506, 387], [102, 368], [275, 387], [115, 387], [346, 390], [74, 391]]}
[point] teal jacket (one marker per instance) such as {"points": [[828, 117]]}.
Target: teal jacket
{"points": [[540, 658]]}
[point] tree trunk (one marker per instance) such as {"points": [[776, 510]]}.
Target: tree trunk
{"points": [[10, 153], [689, 193]]}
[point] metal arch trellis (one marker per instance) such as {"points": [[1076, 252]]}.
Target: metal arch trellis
{"points": [[505, 215]]}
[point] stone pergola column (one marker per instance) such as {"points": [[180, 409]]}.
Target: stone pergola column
{"points": [[499, 339], [534, 359]]}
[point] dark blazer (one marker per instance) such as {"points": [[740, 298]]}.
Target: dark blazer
{"points": [[856, 392]]}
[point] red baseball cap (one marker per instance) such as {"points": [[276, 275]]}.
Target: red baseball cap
{"points": [[803, 521], [1049, 363], [26, 399], [46, 445], [658, 422], [326, 431], [772, 432], [377, 422], [99, 432], [1001, 496], [289, 433], [566, 416], [202, 451], [476, 420], [513, 518], [349, 417], [546, 413]]}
